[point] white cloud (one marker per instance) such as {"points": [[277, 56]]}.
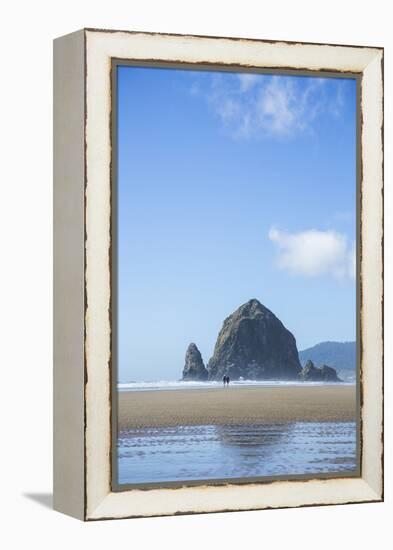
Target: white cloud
{"points": [[278, 108], [336, 103], [247, 81], [352, 263], [228, 109], [312, 253], [256, 105]]}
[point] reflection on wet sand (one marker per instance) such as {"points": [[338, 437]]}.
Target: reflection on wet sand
{"points": [[252, 436], [180, 453]]}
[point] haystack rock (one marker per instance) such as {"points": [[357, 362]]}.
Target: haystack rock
{"points": [[254, 344], [311, 373], [194, 369]]}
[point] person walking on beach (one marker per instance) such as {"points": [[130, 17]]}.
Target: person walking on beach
{"points": [[225, 380]]}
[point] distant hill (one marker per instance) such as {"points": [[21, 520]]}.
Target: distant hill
{"points": [[339, 355]]}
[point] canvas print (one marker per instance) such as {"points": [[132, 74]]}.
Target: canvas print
{"points": [[236, 323]]}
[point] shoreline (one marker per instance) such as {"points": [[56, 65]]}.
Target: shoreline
{"points": [[236, 405], [187, 386]]}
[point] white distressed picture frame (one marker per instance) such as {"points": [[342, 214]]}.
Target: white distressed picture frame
{"points": [[82, 241]]}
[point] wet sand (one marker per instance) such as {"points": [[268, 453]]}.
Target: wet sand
{"points": [[234, 405]]}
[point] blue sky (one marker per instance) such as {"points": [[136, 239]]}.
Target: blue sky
{"points": [[231, 187]]}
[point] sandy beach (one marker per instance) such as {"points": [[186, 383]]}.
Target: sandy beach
{"points": [[244, 405]]}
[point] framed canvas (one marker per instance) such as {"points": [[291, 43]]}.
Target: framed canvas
{"points": [[218, 269]]}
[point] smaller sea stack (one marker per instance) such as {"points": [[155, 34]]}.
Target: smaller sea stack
{"points": [[194, 368], [311, 373]]}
